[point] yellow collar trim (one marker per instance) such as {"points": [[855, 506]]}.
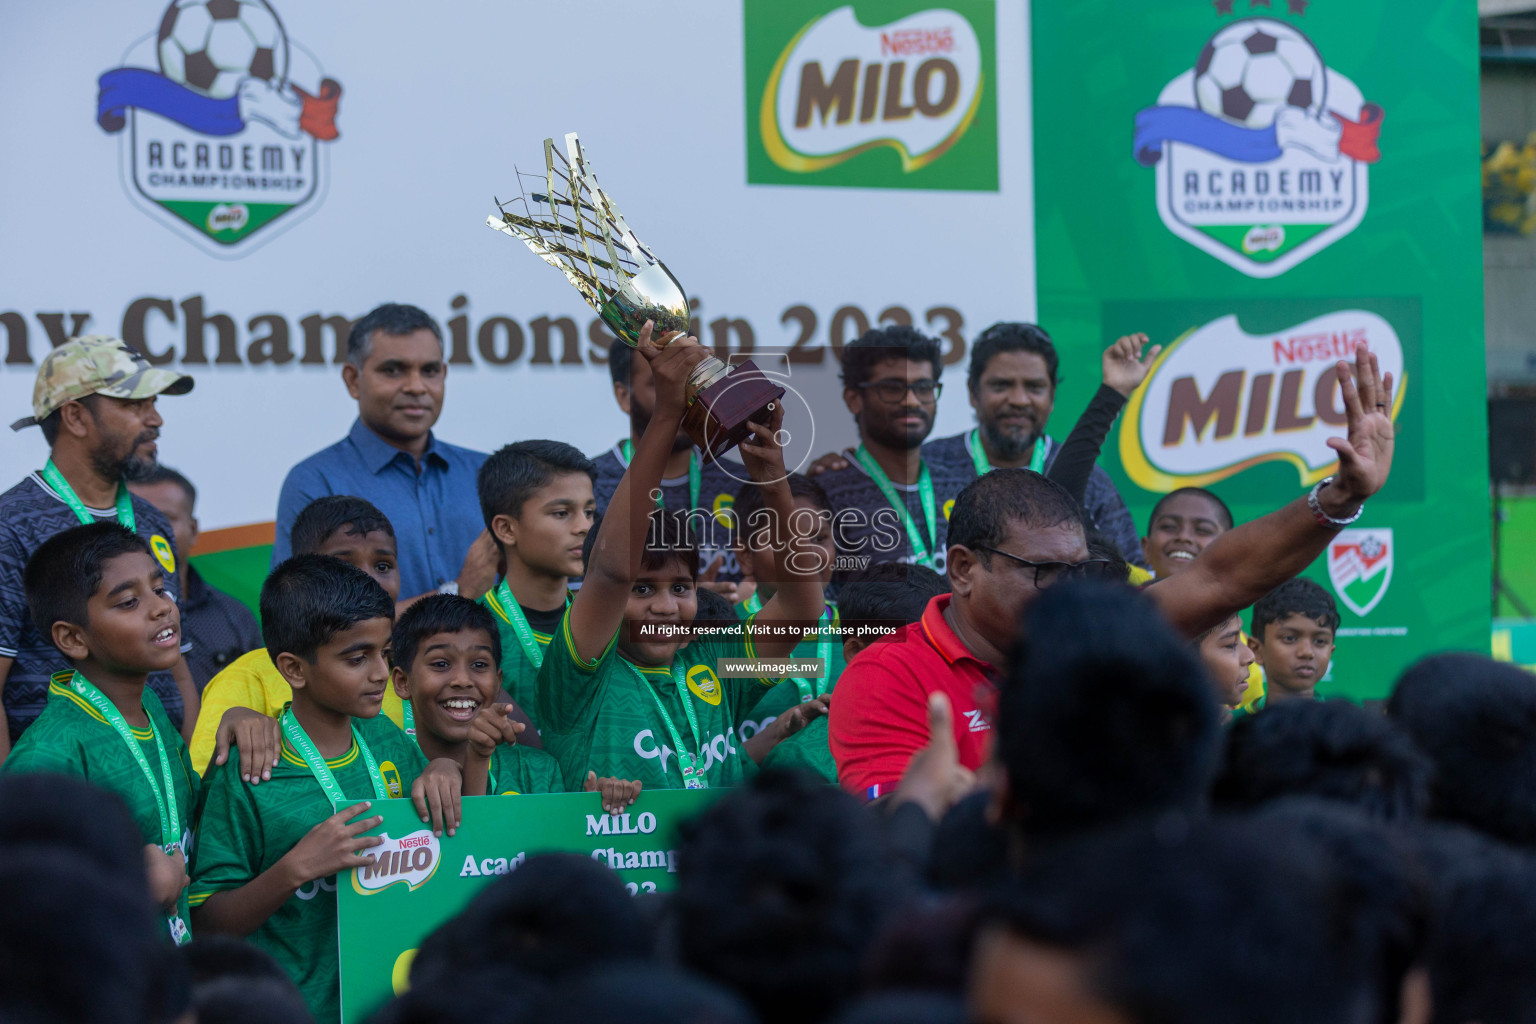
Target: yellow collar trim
{"points": [[56, 690], [292, 757]]}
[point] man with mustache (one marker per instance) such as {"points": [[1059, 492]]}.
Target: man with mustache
{"points": [[396, 371], [95, 402], [889, 503], [1012, 385]]}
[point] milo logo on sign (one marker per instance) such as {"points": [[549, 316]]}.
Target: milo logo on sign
{"points": [[1262, 150], [412, 859], [220, 116], [891, 94], [1220, 399]]}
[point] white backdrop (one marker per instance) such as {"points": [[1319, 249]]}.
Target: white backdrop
{"points": [[439, 101]]}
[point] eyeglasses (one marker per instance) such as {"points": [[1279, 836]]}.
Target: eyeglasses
{"points": [[1048, 573], [893, 391]]}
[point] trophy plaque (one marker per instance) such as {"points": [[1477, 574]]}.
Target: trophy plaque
{"points": [[573, 226]]}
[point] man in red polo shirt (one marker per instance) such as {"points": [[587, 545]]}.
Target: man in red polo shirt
{"points": [[1013, 533]]}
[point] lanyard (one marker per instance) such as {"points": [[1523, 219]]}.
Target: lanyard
{"points": [[920, 551], [164, 791], [409, 717], [809, 689], [695, 473], [693, 774], [984, 465], [299, 740], [520, 625], [56, 480]]}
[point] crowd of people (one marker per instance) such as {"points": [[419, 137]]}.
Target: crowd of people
{"points": [[1048, 767]]}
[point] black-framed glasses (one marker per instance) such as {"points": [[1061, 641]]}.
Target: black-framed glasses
{"points": [[1048, 573], [893, 391]]}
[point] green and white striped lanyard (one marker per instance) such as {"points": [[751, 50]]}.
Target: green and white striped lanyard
{"points": [[809, 689], [55, 479], [922, 553], [687, 762], [695, 473], [299, 740], [984, 465], [164, 790]]}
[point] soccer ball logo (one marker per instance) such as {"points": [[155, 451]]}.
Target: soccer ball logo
{"points": [[213, 45], [1253, 68]]}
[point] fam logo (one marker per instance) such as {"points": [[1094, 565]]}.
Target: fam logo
{"points": [[906, 82], [411, 859], [220, 116], [1360, 567], [1220, 399], [704, 684], [1262, 151]]}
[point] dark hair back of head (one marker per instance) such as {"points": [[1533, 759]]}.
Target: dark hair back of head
{"points": [[66, 569], [483, 995], [1331, 749], [1224, 514], [984, 510], [621, 356], [878, 344], [905, 1008], [781, 886], [893, 593], [557, 913], [221, 957], [1199, 922], [640, 993], [310, 598], [318, 520], [1009, 337], [1475, 718], [440, 613], [513, 473], [670, 538], [80, 946], [748, 510], [46, 811], [1105, 713], [393, 318], [249, 1000], [166, 475], [1297, 596]]}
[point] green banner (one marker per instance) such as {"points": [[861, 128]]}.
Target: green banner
{"points": [[419, 880], [1262, 187]]}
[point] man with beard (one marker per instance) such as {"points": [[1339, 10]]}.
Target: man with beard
{"points": [[689, 484], [425, 487], [1012, 385], [95, 402], [889, 503]]}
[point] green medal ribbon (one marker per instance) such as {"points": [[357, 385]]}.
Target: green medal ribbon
{"points": [[164, 790], [695, 472], [409, 718], [55, 479], [753, 604], [688, 763], [809, 689], [520, 625], [984, 465], [299, 740], [921, 552]]}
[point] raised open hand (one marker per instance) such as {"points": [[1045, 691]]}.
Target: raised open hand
{"points": [[1124, 365], [1365, 456]]}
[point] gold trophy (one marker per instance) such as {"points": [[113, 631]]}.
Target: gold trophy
{"points": [[574, 227]]}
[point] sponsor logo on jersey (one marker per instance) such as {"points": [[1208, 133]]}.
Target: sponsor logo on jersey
{"points": [[704, 684], [163, 553]]}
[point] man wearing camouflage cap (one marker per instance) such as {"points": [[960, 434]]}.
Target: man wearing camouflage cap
{"points": [[95, 402]]}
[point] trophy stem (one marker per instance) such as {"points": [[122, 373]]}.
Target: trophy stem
{"points": [[706, 373]]}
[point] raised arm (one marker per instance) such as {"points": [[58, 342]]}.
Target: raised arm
{"points": [[1124, 369], [598, 608], [1244, 564], [798, 599]]}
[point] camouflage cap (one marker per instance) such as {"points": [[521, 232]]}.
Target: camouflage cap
{"points": [[97, 365]]}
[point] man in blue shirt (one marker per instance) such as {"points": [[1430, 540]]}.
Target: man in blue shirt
{"points": [[396, 370]]}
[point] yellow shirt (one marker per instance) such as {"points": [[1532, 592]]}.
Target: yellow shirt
{"points": [[252, 681]]}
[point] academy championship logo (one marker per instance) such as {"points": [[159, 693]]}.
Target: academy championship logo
{"points": [[1262, 151], [1220, 399], [220, 116], [1360, 567], [912, 88]]}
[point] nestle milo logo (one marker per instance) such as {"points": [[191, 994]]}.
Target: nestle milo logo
{"points": [[412, 859], [907, 82]]}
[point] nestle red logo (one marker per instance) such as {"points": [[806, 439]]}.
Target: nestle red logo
{"points": [[413, 841], [915, 42]]}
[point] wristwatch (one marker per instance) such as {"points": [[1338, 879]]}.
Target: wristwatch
{"points": [[1322, 518], [450, 587]]}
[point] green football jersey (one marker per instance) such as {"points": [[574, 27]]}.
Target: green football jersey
{"points": [[517, 770], [245, 830], [786, 695], [72, 738], [519, 675], [805, 751], [601, 715]]}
